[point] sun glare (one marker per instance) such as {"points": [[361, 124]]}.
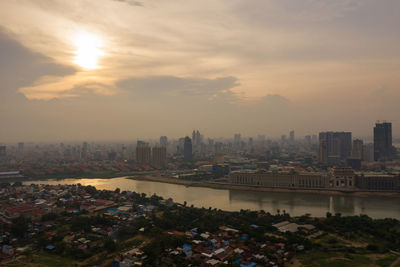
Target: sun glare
{"points": [[88, 50]]}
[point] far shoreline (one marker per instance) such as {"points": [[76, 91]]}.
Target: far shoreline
{"points": [[227, 186]]}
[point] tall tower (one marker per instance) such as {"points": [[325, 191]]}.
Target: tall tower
{"points": [[163, 141], [338, 144], [143, 152], [383, 141], [187, 149], [357, 151], [323, 152], [291, 136], [159, 156]]}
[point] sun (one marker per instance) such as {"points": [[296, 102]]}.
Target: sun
{"points": [[88, 50]]}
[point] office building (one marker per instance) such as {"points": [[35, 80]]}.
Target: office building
{"points": [[21, 146], [291, 136], [143, 153], [357, 150], [236, 140], [2, 151], [163, 141], [338, 146], [187, 149], [323, 152], [159, 156], [383, 141], [368, 152]]}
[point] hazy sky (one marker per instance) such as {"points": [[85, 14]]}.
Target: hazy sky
{"points": [[127, 69]]}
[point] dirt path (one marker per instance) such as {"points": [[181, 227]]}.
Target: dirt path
{"points": [[395, 262]]}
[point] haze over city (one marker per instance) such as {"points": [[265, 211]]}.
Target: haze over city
{"points": [[121, 70]]}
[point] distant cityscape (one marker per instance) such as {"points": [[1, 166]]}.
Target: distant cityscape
{"points": [[331, 160]]}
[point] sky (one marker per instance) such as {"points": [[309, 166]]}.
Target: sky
{"points": [[128, 69]]}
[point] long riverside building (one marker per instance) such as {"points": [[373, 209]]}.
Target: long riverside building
{"points": [[339, 179], [281, 180]]}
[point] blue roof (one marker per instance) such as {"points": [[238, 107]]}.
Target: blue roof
{"points": [[251, 264], [243, 237], [50, 247]]}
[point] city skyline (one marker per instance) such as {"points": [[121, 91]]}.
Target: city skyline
{"points": [[147, 67]]}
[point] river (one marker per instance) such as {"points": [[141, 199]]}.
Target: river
{"points": [[294, 203]]}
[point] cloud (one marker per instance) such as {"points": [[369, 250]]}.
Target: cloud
{"points": [[19, 66], [130, 2], [156, 86]]}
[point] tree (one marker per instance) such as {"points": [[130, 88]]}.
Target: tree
{"points": [[110, 245], [19, 226]]}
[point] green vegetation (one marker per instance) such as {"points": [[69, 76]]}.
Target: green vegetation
{"points": [[42, 259]]}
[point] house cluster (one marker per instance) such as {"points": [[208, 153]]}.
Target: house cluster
{"points": [[50, 207], [228, 245]]}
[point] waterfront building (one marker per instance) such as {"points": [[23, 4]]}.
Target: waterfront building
{"points": [[378, 182], [342, 178], [383, 141], [280, 179]]}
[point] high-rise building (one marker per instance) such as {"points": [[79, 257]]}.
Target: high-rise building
{"points": [[338, 144], [84, 152], [357, 151], [308, 139], [383, 141], [368, 152], [323, 152], [194, 137], [198, 139], [159, 155], [21, 147], [143, 153], [2, 151], [236, 139], [163, 141], [314, 139], [283, 137], [187, 149], [291, 136]]}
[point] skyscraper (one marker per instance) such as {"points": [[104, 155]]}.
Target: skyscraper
{"points": [[163, 141], [338, 145], [291, 136], [357, 151], [2, 151], [143, 153], [187, 149], [383, 141], [323, 152], [236, 140], [159, 155], [84, 152], [21, 147], [368, 152]]}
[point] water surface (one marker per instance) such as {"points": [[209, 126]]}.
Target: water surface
{"points": [[294, 203]]}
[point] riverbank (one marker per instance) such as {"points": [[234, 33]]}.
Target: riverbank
{"points": [[217, 185]]}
